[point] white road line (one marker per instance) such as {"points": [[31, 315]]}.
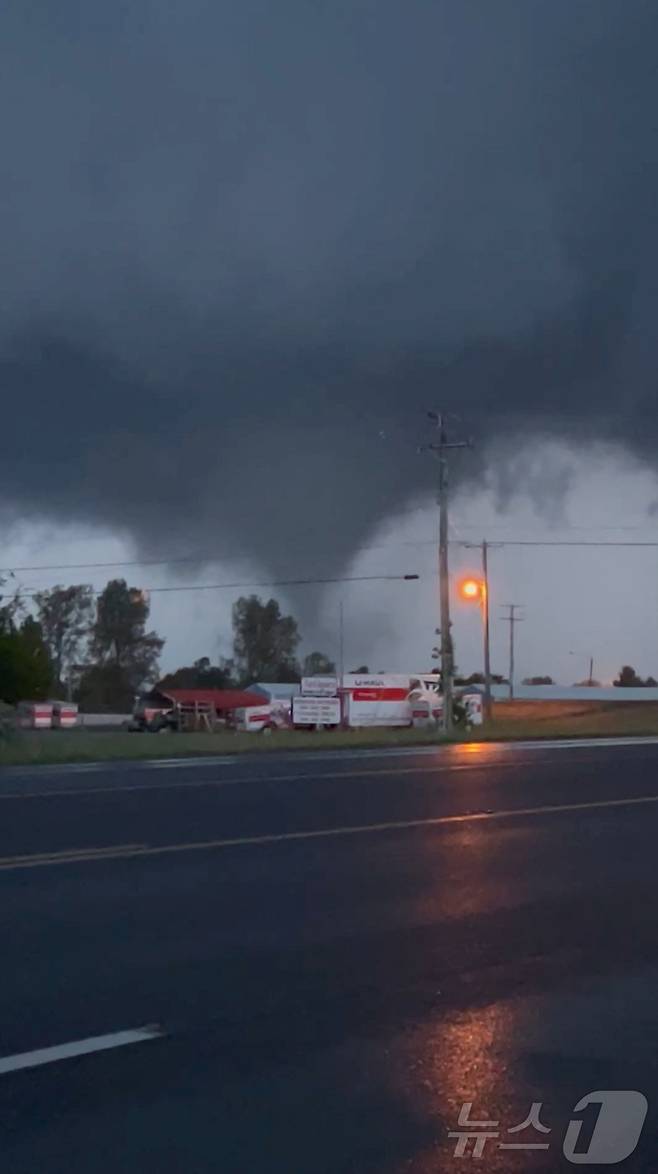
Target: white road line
{"points": [[346, 775], [421, 750], [125, 851], [207, 760], [81, 1047], [573, 743], [398, 825], [67, 855], [470, 756]]}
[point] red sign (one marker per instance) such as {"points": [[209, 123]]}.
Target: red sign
{"points": [[380, 694]]}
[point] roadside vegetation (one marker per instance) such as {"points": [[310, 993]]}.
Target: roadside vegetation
{"points": [[570, 719], [52, 746], [522, 719]]}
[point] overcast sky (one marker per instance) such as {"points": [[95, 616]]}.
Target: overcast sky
{"points": [[247, 244], [578, 602]]}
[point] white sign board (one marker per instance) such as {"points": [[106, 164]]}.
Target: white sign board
{"points": [[316, 711], [319, 686], [377, 713]]}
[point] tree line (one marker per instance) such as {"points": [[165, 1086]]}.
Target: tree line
{"points": [[627, 678], [94, 649], [265, 648], [97, 649]]}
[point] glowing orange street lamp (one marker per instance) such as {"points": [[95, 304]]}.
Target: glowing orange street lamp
{"points": [[472, 590]]}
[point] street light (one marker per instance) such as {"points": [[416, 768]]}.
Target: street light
{"points": [[473, 590]]}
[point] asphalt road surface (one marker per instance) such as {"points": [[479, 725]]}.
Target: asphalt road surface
{"points": [[332, 954]]}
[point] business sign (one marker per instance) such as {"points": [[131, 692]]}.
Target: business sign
{"points": [[319, 686], [315, 711], [380, 681]]}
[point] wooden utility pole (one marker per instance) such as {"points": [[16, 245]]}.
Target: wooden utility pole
{"points": [[484, 547], [485, 625], [512, 619], [341, 659], [440, 450]]}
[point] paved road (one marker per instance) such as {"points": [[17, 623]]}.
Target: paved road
{"points": [[340, 951]]}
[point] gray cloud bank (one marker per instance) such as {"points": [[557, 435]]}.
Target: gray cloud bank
{"points": [[246, 243]]}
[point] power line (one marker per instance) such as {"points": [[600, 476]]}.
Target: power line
{"points": [[565, 526], [31, 591], [135, 562], [202, 557], [165, 562], [566, 542], [205, 558]]}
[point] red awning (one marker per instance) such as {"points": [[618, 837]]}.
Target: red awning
{"points": [[222, 699]]}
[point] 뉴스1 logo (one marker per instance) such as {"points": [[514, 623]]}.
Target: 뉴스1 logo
{"points": [[615, 1136], [617, 1130]]}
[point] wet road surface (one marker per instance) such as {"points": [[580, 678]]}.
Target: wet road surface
{"points": [[340, 950]]}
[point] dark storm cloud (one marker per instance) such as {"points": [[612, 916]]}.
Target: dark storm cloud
{"points": [[246, 243]]}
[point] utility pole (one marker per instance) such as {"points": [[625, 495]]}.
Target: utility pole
{"points": [[591, 664], [512, 619], [440, 450], [482, 589], [485, 624], [341, 660]]}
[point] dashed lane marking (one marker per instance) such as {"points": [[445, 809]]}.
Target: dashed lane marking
{"points": [[81, 1047], [127, 851]]}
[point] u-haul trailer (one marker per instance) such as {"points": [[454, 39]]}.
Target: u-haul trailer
{"points": [[376, 699]]}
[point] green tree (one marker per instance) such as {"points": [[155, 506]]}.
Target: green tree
{"points": [[11, 605], [628, 678], [25, 672], [201, 675], [264, 641], [66, 615], [362, 669], [106, 688], [119, 639], [316, 664]]}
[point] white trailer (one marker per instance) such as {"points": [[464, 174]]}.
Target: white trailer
{"points": [[35, 715], [376, 699], [254, 719]]}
